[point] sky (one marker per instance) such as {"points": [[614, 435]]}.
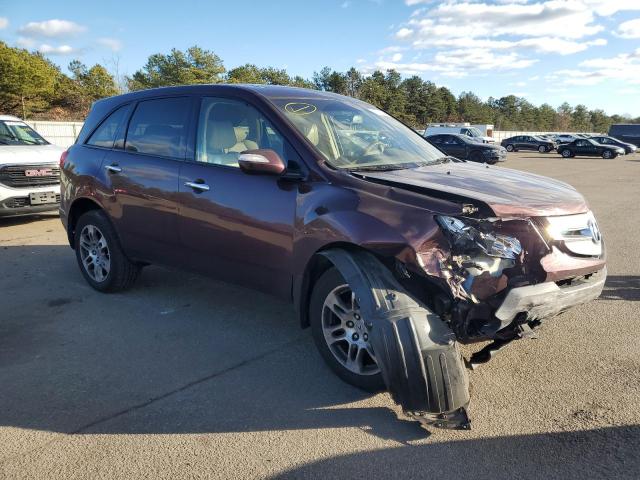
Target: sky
{"points": [[579, 51]]}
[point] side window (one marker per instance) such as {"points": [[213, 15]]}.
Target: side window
{"points": [[227, 128], [437, 139], [582, 143], [105, 134], [158, 127]]}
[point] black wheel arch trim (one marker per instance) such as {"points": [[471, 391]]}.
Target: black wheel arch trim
{"points": [[416, 351]]}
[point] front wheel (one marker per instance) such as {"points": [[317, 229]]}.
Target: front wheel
{"points": [[100, 257], [542, 149], [566, 153], [510, 148], [341, 334]]}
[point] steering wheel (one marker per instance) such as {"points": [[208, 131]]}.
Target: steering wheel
{"points": [[374, 148]]}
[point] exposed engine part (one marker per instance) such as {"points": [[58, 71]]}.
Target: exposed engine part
{"points": [[415, 350]]}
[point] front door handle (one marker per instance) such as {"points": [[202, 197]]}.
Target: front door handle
{"points": [[113, 168], [202, 187]]}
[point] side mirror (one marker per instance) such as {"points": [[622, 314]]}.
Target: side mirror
{"points": [[261, 161]]}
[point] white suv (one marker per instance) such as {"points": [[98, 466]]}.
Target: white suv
{"points": [[29, 170]]}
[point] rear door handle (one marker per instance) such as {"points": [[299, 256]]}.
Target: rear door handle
{"points": [[202, 187], [113, 168]]}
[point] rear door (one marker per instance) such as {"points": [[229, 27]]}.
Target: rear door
{"points": [[584, 147], [143, 177], [236, 226]]}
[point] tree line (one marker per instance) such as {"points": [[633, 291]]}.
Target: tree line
{"points": [[31, 86]]}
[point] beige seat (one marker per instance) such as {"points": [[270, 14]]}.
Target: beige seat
{"points": [[242, 143], [221, 139]]}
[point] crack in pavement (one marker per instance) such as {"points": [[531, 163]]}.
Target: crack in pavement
{"points": [[157, 398]]}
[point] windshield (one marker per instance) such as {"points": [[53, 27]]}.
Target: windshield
{"points": [[474, 132], [13, 132], [355, 135]]}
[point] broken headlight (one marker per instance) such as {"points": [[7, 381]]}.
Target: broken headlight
{"points": [[465, 237]]}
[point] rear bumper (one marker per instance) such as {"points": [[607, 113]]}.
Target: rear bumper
{"points": [[548, 299]]}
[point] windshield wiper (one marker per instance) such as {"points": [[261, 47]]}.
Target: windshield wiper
{"points": [[440, 160], [376, 168]]}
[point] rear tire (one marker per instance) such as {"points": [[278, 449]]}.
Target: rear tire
{"points": [[100, 257], [325, 286]]}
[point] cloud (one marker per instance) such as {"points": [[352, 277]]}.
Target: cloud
{"points": [[112, 44], [4, 22], [629, 29], [396, 57], [458, 19], [59, 50], [52, 29], [607, 8], [459, 63], [404, 33], [624, 67]]}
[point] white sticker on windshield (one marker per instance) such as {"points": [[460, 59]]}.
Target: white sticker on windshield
{"points": [[14, 123], [378, 112]]}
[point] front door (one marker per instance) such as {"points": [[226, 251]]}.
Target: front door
{"points": [[455, 147], [234, 225], [144, 178]]}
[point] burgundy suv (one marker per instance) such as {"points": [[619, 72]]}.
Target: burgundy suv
{"points": [[390, 250]]}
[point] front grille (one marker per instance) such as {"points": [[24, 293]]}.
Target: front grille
{"points": [[16, 175]]}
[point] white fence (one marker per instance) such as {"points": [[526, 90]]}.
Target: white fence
{"points": [[65, 133], [62, 134]]}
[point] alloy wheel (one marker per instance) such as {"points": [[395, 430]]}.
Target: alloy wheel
{"points": [[94, 252], [346, 333]]}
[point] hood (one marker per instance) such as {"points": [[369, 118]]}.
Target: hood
{"points": [[29, 154], [507, 192]]}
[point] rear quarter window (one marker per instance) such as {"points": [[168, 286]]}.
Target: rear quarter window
{"points": [[105, 134]]}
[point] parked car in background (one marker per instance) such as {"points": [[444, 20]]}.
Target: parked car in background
{"points": [[590, 148], [566, 138], [469, 131], [627, 132], [389, 250], [527, 142], [29, 170], [607, 140], [466, 148]]}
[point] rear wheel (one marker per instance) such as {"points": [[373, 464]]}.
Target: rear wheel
{"points": [[566, 153], [542, 149], [510, 148], [607, 154], [100, 257], [340, 333]]}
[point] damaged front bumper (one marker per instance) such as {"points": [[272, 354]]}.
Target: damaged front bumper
{"points": [[549, 299]]}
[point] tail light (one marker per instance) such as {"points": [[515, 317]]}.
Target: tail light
{"points": [[63, 157]]}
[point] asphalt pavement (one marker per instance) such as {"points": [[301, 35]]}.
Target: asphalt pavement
{"points": [[187, 377]]}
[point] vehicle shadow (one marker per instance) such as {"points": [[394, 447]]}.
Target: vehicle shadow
{"points": [[26, 219], [177, 354], [622, 287], [599, 453]]}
